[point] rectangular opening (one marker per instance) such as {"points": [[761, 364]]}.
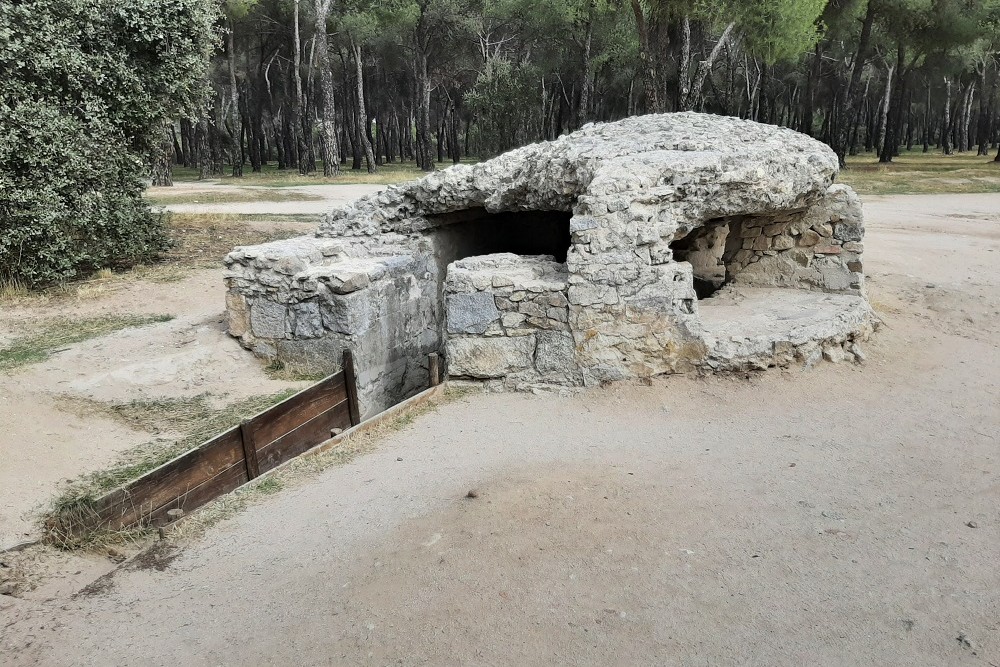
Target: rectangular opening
{"points": [[477, 232]]}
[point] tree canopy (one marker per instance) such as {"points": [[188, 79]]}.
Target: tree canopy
{"points": [[87, 86]]}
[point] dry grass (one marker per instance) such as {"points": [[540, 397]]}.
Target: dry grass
{"points": [[271, 177], [192, 420], [922, 173], [52, 335]]}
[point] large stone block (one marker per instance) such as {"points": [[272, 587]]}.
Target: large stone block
{"points": [[471, 313], [489, 357], [267, 319]]}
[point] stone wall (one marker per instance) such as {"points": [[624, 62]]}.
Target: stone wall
{"points": [[819, 248], [304, 309], [507, 321]]}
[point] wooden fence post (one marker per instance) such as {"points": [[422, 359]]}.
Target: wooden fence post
{"points": [[433, 370], [351, 380], [249, 450]]}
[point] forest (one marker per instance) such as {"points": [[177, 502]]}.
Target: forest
{"points": [[324, 85], [100, 98]]}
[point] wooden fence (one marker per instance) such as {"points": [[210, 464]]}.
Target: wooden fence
{"points": [[230, 459]]}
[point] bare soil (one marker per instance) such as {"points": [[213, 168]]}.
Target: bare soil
{"points": [[842, 515]]}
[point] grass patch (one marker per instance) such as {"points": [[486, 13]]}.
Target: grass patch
{"points": [[278, 370], [55, 334], [922, 173], [195, 420]]}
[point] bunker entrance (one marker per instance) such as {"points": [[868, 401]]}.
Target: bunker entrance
{"points": [[704, 248], [476, 232]]}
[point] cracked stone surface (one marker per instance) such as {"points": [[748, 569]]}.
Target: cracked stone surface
{"points": [[654, 210]]}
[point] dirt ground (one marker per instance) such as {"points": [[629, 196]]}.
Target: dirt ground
{"points": [[843, 515]]}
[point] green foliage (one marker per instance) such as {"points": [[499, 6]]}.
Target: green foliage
{"points": [[86, 87]]}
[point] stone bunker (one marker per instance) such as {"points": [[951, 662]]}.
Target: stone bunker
{"points": [[656, 244]]}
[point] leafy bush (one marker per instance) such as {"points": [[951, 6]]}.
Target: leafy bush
{"points": [[87, 85]]}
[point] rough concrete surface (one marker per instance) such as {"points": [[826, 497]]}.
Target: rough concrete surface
{"points": [[841, 515]]}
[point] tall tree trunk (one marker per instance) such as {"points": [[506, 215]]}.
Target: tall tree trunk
{"points": [[234, 98], [650, 79], [893, 122], [946, 123], [705, 68], [857, 66], [425, 159], [884, 113], [963, 139], [583, 111], [298, 111], [684, 67], [983, 129], [363, 126], [328, 124]]}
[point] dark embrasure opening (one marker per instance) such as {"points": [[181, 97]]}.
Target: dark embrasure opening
{"points": [[476, 232]]}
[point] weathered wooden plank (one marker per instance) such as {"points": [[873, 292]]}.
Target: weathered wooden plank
{"points": [[189, 470], [305, 437], [228, 480], [351, 380], [433, 370], [249, 450], [238, 455], [298, 409]]}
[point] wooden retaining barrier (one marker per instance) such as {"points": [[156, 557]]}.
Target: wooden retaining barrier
{"points": [[230, 459]]}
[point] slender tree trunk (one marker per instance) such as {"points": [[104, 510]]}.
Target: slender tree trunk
{"points": [[328, 122], [298, 111], [650, 79], [234, 98], [983, 129], [583, 111], [425, 158], [884, 113], [946, 126], [683, 69], [857, 67], [966, 118], [363, 127]]}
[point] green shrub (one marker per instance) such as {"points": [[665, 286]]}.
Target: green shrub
{"points": [[86, 87]]}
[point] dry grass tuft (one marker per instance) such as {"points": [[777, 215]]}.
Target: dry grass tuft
{"points": [[193, 421], [54, 334]]}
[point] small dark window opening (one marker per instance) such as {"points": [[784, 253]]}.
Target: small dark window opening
{"points": [[476, 232], [703, 248]]}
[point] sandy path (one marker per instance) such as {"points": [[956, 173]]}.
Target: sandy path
{"points": [[320, 198], [799, 517]]}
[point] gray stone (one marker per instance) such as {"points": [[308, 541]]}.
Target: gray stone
{"points": [[471, 313], [308, 322], [267, 319], [489, 357], [555, 353]]}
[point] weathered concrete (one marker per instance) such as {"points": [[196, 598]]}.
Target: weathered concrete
{"points": [[648, 212]]}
